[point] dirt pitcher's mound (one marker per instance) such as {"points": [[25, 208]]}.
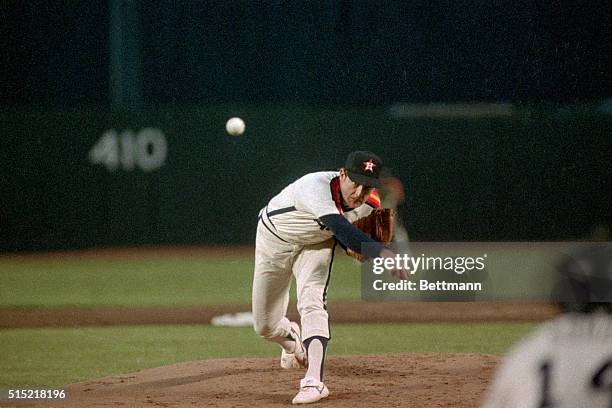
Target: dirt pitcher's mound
{"points": [[419, 380]]}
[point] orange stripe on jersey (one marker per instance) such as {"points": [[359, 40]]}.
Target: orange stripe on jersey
{"points": [[336, 194], [374, 199]]}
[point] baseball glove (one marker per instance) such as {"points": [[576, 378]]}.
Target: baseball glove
{"points": [[378, 225]]}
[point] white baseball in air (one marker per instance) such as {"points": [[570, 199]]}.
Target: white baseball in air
{"points": [[235, 126]]}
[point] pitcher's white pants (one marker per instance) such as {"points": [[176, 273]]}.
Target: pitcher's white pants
{"points": [[275, 262]]}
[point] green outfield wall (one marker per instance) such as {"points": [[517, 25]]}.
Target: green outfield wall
{"points": [[90, 178]]}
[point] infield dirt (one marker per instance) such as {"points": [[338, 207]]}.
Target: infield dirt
{"points": [[356, 312], [403, 380]]}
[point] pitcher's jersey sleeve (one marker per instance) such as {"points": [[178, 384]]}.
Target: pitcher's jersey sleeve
{"points": [[293, 214], [565, 363], [313, 194]]}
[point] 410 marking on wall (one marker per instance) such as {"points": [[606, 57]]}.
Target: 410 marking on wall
{"points": [[146, 150]]}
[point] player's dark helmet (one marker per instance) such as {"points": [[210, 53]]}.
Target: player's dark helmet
{"points": [[585, 279]]}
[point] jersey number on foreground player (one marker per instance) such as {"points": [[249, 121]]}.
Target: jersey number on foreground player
{"points": [[597, 383]]}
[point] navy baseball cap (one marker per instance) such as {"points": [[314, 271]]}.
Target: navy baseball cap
{"points": [[364, 168]]}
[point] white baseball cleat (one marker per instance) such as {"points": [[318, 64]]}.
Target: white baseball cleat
{"points": [[298, 358], [311, 390]]}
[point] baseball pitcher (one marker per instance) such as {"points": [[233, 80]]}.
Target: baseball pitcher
{"points": [[297, 234]]}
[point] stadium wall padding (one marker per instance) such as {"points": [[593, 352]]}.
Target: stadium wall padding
{"points": [[541, 175]]}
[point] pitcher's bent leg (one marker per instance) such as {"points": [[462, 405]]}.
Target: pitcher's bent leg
{"points": [[271, 284], [270, 302]]}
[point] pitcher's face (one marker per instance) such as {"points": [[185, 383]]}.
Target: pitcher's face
{"points": [[353, 194]]}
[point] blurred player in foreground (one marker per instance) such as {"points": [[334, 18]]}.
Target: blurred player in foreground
{"points": [[297, 234], [568, 361]]}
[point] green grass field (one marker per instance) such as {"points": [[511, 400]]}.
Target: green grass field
{"points": [[52, 357], [144, 282]]}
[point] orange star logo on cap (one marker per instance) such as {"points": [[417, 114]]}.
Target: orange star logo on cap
{"points": [[369, 166]]}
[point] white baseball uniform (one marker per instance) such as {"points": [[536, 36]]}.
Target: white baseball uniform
{"points": [[565, 363], [292, 240]]}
